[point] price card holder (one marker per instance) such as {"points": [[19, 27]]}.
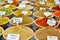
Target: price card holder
{"points": [[13, 37], [10, 1], [47, 13], [51, 22], [17, 20], [52, 38], [24, 12]]}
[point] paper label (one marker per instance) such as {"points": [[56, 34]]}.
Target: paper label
{"points": [[51, 22], [2, 13], [13, 37], [22, 5], [24, 2], [52, 38], [47, 13], [42, 2], [17, 20], [10, 1], [41, 8], [24, 12], [57, 2], [6, 6]]}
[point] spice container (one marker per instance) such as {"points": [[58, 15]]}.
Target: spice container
{"points": [[43, 22], [4, 21], [22, 12], [57, 15], [24, 32], [1, 31], [24, 21], [42, 13], [46, 33]]}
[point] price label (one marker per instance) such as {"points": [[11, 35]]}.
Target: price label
{"points": [[51, 22], [47, 13], [2, 13], [17, 20], [13, 37], [6, 6], [42, 2], [10, 1], [24, 2], [24, 12], [41, 8], [52, 38], [57, 2], [21, 6]]}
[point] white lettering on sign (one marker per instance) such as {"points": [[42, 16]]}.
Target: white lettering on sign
{"points": [[47, 13], [13, 37], [51, 22], [25, 12], [17, 20], [52, 38]]}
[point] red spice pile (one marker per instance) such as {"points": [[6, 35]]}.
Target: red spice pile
{"points": [[42, 22]]}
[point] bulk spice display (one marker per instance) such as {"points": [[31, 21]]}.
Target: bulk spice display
{"points": [[25, 19]]}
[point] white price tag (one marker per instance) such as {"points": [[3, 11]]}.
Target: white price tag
{"points": [[21, 6], [17, 20], [2, 13], [41, 8], [24, 2], [42, 2], [47, 13], [13, 37], [51, 22], [24, 12], [6, 6], [52, 38], [57, 2], [10, 1]]}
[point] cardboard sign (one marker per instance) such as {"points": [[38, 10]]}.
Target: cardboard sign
{"points": [[17, 20], [13, 37], [52, 38]]}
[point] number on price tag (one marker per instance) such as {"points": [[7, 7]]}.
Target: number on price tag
{"points": [[52, 38], [21, 6], [51, 22], [24, 12], [17, 20], [47, 13], [13, 37], [10, 1], [2, 13]]}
